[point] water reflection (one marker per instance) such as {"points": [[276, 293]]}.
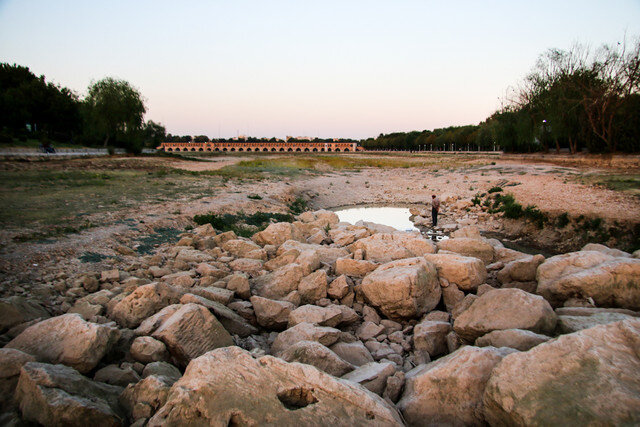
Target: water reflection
{"points": [[397, 218]]}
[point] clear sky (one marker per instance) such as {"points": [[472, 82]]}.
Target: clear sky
{"points": [[344, 68]]}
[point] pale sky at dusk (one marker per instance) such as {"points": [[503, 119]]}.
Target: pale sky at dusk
{"points": [[317, 68]]}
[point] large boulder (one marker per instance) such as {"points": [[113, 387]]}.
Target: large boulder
{"points": [[15, 310], [313, 286], [468, 247], [271, 314], [240, 248], [190, 332], [278, 233], [353, 352], [232, 321], [321, 316], [403, 288], [466, 272], [279, 283], [11, 361], [58, 395], [610, 281], [372, 376], [520, 270], [505, 309], [315, 354], [214, 391], [513, 338], [143, 302], [354, 267], [143, 399], [67, 339], [327, 255], [449, 391], [386, 247], [343, 236], [430, 336], [304, 332], [585, 378], [569, 324]]}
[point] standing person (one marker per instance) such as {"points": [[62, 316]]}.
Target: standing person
{"points": [[435, 208]]}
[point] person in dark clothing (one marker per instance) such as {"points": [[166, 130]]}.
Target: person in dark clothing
{"points": [[435, 208]]}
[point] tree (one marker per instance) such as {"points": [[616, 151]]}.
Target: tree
{"points": [[154, 134], [115, 112]]}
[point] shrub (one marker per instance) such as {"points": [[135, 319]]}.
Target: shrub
{"points": [[562, 220], [254, 197], [495, 190], [535, 215], [298, 206], [476, 199], [240, 223]]}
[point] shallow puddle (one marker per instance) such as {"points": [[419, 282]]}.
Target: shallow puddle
{"points": [[397, 218]]}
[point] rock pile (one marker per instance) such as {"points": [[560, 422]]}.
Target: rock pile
{"points": [[321, 322]]}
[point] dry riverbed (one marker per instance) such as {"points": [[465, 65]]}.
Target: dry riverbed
{"points": [[66, 216]]}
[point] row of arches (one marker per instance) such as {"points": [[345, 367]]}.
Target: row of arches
{"points": [[256, 149]]}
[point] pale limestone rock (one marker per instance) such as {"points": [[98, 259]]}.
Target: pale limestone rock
{"points": [[190, 332], [277, 234], [281, 260], [271, 314], [469, 232], [386, 247], [354, 268], [372, 376], [143, 399], [15, 310], [520, 270], [205, 230], [162, 369], [280, 393], [326, 254], [313, 287], [213, 293], [239, 283], [11, 361], [193, 255], [147, 349], [232, 322], [513, 338], [369, 330], [344, 236], [207, 270], [59, 395], [610, 281], [353, 352], [116, 375], [67, 339], [279, 283], [246, 265], [505, 309], [403, 288], [339, 287], [152, 323], [322, 316], [506, 255], [431, 336], [143, 302], [604, 249], [468, 247], [304, 332], [586, 378], [222, 238], [240, 248], [452, 296], [449, 391], [315, 354], [466, 272], [570, 324], [309, 261]]}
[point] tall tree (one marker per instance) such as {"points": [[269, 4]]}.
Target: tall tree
{"points": [[115, 110]]}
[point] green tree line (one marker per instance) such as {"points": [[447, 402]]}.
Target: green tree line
{"points": [[573, 99], [111, 115]]}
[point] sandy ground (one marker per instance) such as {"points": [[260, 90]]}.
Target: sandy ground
{"points": [[548, 186]]}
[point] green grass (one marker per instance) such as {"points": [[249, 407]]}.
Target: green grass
{"points": [[56, 202], [147, 244]]}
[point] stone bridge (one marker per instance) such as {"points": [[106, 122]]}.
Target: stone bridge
{"points": [[263, 146]]}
